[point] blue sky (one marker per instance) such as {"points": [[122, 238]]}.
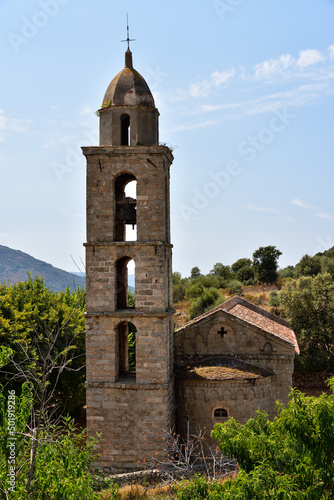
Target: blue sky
{"points": [[245, 92]]}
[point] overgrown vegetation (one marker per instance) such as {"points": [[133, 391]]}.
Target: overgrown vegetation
{"points": [[290, 457], [46, 332], [40, 459]]}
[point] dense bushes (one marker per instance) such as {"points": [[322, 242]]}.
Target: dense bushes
{"points": [[32, 318], [39, 459], [309, 305]]}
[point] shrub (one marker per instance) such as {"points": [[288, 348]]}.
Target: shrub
{"points": [[197, 489], [179, 292], [235, 287], [290, 457], [210, 298], [62, 461]]}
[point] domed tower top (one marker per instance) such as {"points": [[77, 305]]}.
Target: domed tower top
{"points": [[128, 88], [128, 116]]}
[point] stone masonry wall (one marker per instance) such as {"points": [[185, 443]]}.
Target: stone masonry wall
{"points": [[131, 418], [154, 348], [150, 166], [197, 400], [152, 275]]}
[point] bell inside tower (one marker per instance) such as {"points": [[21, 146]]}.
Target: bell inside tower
{"points": [[126, 208]]}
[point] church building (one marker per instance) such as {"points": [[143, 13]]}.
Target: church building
{"points": [[228, 362]]}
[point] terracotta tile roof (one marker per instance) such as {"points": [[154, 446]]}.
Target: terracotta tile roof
{"points": [[254, 315]]}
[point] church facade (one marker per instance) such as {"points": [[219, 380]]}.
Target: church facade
{"points": [[228, 363]]}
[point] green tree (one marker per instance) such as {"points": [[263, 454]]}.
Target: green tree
{"points": [[176, 278], [195, 290], [195, 272], [240, 263], [327, 265], [179, 287], [309, 305], [274, 301], [235, 287], [308, 266], [243, 270], [42, 326], [209, 298], [64, 455], [287, 272], [265, 262], [222, 271]]}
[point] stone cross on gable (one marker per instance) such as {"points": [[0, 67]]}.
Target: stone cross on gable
{"points": [[222, 332]]}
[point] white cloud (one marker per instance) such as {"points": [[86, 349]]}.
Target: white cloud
{"points": [[262, 209], [85, 110], [12, 124], [309, 57], [19, 125], [302, 204], [203, 88], [219, 77], [316, 81], [331, 52], [196, 125], [298, 96], [3, 120], [324, 215], [267, 69], [200, 89]]}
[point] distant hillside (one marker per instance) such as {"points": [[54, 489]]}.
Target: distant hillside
{"points": [[14, 266]]}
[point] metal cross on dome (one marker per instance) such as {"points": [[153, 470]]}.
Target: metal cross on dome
{"points": [[128, 39], [222, 332]]}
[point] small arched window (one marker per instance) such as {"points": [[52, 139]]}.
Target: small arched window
{"points": [[220, 413], [126, 350], [124, 301], [125, 130]]}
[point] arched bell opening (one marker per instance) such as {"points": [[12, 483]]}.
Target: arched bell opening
{"points": [[125, 130], [126, 208], [131, 194], [126, 333], [125, 292]]}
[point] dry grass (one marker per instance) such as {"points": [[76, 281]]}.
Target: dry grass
{"points": [[153, 492], [139, 492]]}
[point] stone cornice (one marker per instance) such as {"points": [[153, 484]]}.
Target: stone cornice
{"points": [[112, 243], [128, 150]]}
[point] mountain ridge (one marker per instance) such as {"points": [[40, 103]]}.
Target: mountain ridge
{"points": [[15, 266]]}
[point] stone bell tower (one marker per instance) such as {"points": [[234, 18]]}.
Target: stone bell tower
{"points": [[129, 349]]}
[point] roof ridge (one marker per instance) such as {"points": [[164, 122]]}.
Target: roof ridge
{"points": [[240, 300]]}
